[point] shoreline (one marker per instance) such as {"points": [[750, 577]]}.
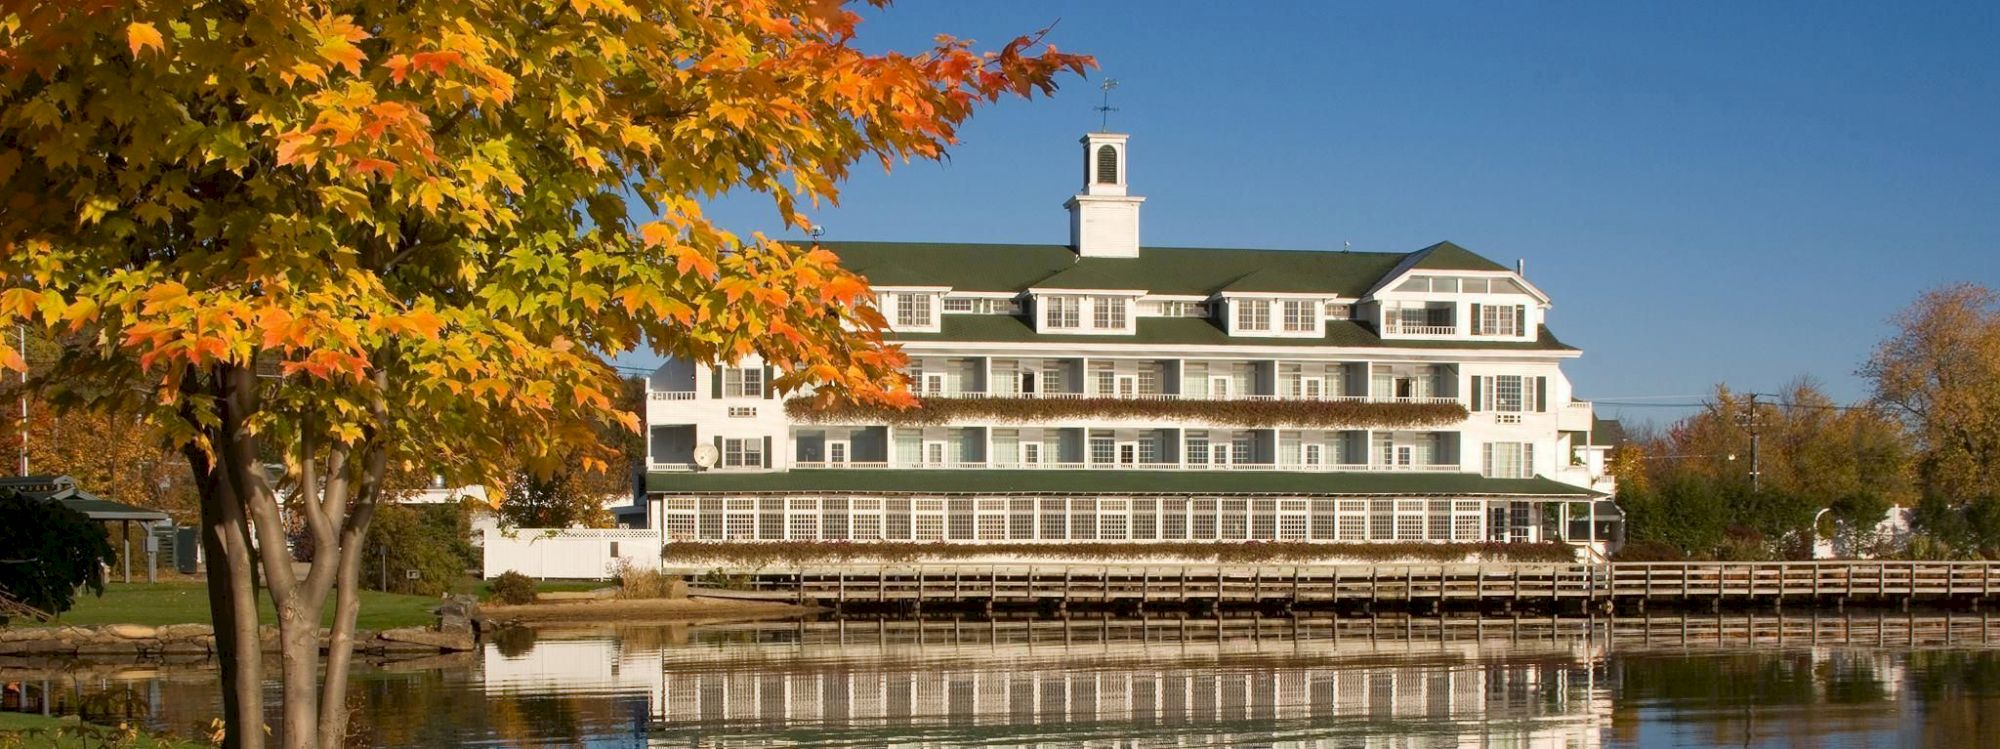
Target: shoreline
{"points": [[694, 609]]}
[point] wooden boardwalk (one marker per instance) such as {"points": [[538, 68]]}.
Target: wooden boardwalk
{"points": [[1423, 585]]}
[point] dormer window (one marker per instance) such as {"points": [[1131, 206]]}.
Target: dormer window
{"points": [[1253, 315], [1109, 312], [1107, 165], [915, 311], [1065, 312], [1298, 316], [1499, 319]]}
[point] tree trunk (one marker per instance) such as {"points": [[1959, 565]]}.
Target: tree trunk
{"points": [[232, 600], [340, 642]]}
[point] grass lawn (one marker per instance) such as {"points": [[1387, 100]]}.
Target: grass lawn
{"points": [[56, 733], [187, 603]]}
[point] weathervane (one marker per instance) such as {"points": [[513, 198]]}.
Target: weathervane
{"points": [[1105, 109]]}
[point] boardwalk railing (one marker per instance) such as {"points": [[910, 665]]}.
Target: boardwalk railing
{"points": [[1780, 580], [1739, 582]]}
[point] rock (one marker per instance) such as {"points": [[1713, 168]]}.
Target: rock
{"points": [[185, 631], [445, 641], [188, 646], [456, 615], [123, 648], [130, 631]]}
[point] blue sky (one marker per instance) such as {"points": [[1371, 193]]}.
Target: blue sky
{"points": [[1737, 192]]}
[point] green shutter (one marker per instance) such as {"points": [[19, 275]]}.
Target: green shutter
{"points": [[1520, 320], [715, 381], [1478, 393], [1475, 320], [768, 459], [1542, 394], [770, 390]]}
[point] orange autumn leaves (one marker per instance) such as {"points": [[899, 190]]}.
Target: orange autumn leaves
{"points": [[471, 201]]}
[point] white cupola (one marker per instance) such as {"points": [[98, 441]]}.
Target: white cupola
{"points": [[1103, 220]]}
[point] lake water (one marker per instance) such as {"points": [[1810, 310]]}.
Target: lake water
{"points": [[1760, 681]]}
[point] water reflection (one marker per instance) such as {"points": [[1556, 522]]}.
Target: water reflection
{"points": [[1702, 681]]}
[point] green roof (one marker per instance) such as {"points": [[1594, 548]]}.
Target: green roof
{"points": [[966, 267], [64, 489], [1160, 270], [1448, 256], [884, 481], [1195, 331]]}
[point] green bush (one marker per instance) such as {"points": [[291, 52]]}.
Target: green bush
{"points": [[513, 588], [435, 540], [1649, 551], [51, 551]]}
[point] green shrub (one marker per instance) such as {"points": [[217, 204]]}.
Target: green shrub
{"points": [[434, 540], [1649, 551], [513, 588], [51, 552]]}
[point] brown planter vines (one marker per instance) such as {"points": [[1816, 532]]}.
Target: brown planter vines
{"points": [[767, 553]]}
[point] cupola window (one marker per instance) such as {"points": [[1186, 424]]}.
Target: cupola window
{"points": [[1107, 165]]}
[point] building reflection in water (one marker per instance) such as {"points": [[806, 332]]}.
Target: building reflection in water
{"points": [[1049, 685]]}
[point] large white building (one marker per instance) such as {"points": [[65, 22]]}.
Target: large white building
{"points": [[1108, 391]]}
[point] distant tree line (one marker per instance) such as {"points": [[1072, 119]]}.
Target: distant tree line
{"points": [[1928, 438]]}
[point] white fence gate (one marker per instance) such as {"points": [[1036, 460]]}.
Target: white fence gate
{"points": [[569, 553]]}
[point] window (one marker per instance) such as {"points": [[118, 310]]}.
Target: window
{"points": [[1103, 449], [1339, 311], [1499, 319], [1197, 448], [1065, 312], [914, 311], [1107, 165], [1298, 316], [1109, 312], [1509, 460], [960, 305], [1507, 394], [743, 453], [1171, 309], [742, 412], [977, 306], [742, 382], [1253, 314]]}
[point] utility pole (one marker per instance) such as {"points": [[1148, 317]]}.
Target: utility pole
{"points": [[1752, 421]]}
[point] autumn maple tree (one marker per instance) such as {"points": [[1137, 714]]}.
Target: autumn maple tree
{"points": [[380, 233]]}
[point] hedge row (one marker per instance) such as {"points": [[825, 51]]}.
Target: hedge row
{"points": [[792, 553], [1243, 413]]}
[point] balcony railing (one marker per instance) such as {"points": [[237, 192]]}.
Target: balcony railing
{"points": [[670, 395], [976, 394], [1074, 466], [1397, 327]]}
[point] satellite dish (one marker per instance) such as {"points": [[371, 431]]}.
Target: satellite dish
{"points": [[705, 455]]}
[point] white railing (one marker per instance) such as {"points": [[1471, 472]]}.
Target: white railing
{"points": [[1075, 466], [968, 394], [670, 395], [1397, 328]]}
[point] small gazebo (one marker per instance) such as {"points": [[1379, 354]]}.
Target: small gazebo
{"points": [[63, 489]]}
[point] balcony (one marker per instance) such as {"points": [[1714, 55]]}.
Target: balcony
{"points": [[1398, 327], [1335, 412], [1072, 466]]}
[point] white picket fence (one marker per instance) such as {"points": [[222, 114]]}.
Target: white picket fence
{"points": [[569, 553]]}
